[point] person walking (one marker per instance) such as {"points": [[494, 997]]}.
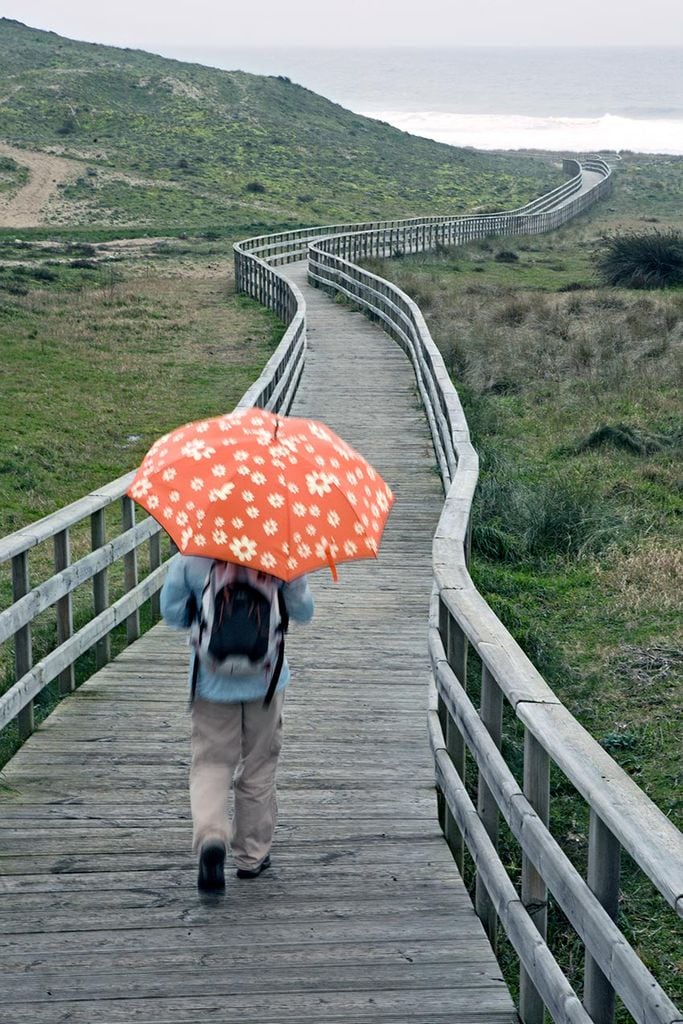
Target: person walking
{"points": [[235, 737]]}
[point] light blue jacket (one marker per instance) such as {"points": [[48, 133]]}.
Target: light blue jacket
{"points": [[183, 589]]}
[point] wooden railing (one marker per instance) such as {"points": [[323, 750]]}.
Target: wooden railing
{"points": [[620, 814], [414, 234]]}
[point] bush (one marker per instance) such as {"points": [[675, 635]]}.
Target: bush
{"points": [[563, 515], [627, 438], [43, 274], [653, 260]]}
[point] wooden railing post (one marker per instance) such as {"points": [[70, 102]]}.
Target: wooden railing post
{"points": [[130, 569], [442, 712], [534, 890], [604, 856], [100, 586], [23, 647], [491, 714], [456, 653], [65, 616], [154, 563]]}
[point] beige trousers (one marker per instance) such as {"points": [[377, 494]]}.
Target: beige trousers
{"points": [[235, 744]]}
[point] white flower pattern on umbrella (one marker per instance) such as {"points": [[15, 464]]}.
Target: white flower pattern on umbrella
{"points": [[318, 483], [197, 450], [243, 548], [141, 488]]}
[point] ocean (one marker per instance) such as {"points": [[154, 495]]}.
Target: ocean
{"points": [[560, 99]]}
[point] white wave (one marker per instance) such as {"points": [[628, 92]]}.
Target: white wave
{"points": [[572, 134]]}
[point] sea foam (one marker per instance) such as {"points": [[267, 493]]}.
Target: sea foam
{"points": [[514, 131]]}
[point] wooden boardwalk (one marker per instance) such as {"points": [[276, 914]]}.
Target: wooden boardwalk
{"points": [[363, 917]]}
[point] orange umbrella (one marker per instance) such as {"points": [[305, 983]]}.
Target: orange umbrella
{"points": [[280, 494]]}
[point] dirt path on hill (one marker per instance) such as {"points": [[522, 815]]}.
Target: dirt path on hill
{"points": [[25, 208]]}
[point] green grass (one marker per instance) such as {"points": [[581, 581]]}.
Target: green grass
{"points": [[572, 391], [150, 346], [162, 142]]}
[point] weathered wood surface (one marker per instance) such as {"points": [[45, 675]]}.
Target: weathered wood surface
{"points": [[363, 917]]}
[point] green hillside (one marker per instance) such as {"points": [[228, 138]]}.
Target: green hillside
{"points": [[166, 143]]}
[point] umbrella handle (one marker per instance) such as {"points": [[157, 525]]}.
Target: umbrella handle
{"points": [[333, 567]]}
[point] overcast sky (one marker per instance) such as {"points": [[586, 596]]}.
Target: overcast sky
{"points": [[155, 24]]}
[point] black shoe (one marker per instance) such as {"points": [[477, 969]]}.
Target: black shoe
{"points": [[211, 877], [254, 872]]}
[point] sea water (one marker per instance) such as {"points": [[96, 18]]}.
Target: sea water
{"points": [[560, 99]]}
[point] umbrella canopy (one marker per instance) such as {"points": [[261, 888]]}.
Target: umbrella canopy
{"points": [[276, 493]]}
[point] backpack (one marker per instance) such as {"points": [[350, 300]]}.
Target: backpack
{"points": [[239, 629]]}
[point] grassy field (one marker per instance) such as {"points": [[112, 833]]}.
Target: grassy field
{"points": [[152, 339], [105, 346], [573, 395]]}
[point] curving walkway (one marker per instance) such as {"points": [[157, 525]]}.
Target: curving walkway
{"points": [[363, 917]]}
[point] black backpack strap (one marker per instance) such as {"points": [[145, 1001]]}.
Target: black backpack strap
{"points": [[284, 613], [195, 673], [195, 614], [284, 626], [274, 679]]}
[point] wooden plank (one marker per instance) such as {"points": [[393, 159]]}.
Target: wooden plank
{"points": [[298, 979], [88, 917], [324, 1005], [454, 951]]}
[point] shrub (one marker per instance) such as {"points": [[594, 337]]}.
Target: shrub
{"points": [[43, 274], [621, 435], [562, 515], [654, 260], [506, 256], [83, 264], [68, 126], [569, 517]]}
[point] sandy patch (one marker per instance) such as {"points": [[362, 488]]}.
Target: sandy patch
{"points": [[26, 208]]}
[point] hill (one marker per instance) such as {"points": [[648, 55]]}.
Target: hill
{"points": [[158, 142]]}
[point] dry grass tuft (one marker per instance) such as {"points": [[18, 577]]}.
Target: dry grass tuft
{"points": [[650, 577]]}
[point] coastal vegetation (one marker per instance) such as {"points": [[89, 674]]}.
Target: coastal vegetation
{"points": [[572, 392], [157, 142], [652, 260]]}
